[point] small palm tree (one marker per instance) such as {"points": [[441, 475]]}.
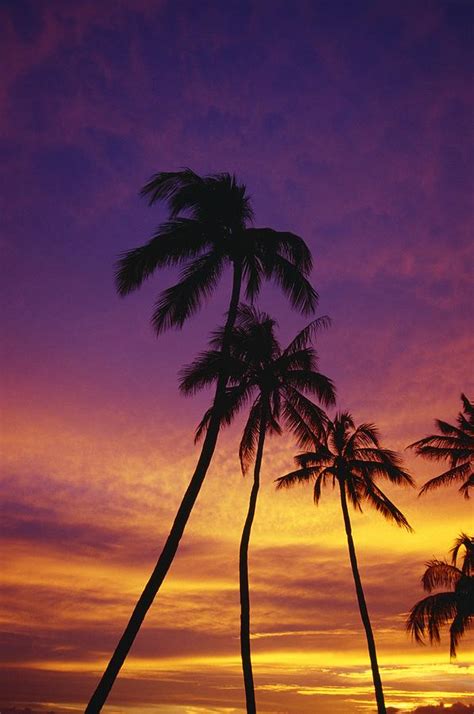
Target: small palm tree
{"points": [[207, 230], [456, 445], [353, 458], [275, 382], [455, 606]]}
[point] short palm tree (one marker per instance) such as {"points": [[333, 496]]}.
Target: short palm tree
{"points": [[353, 458], [456, 445], [275, 382], [455, 606], [208, 229]]}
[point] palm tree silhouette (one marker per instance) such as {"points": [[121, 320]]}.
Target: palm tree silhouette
{"points": [[455, 606], [275, 382], [207, 230], [454, 443], [352, 457]]}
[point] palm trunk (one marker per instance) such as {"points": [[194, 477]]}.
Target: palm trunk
{"points": [[364, 614], [171, 546], [244, 575]]}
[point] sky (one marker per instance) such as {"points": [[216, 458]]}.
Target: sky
{"points": [[350, 124]]}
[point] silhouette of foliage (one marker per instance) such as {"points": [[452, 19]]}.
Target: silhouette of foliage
{"points": [[275, 383], [207, 230], [261, 373], [212, 234], [456, 445], [456, 605], [353, 458]]}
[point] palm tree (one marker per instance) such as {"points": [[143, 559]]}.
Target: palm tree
{"points": [[455, 606], [274, 381], [207, 230], [352, 457], [454, 443]]}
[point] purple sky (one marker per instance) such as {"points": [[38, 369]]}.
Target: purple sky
{"points": [[351, 125]]}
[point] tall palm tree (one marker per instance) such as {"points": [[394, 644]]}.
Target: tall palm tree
{"points": [[275, 382], [455, 606], [353, 458], [456, 445], [208, 229]]}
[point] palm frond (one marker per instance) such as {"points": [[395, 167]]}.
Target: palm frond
{"points": [[464, 489], [438, 574], [379, 469], [458, 473], [449, 429], [249, 318], [352, 488], [339, 431], [466, 542], [468, 408], [468, 405], [170, 185], [380, 462], [214, 200], [429, 614], [173, 243], [297, 425], [459, 625], [373, 453], [438, 448], [203, 424], [234, 399], [375, 496], [252, 273], [307, 334], [248, 443], [292, 281], [223, 202], [304, 418], [366, 435], [274, 409], [283, 243], [313, 383], [318, 485], [321, 457], [299, 476], [205, 370], [303, 359], [179, 302]]}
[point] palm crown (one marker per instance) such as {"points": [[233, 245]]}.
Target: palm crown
{"points": [[456, 605], [273, 380], [456, 445], [207, 230], [352, 456]]}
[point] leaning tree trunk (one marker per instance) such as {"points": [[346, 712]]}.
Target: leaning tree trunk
{"points": [[364, 614], [244, 576], [100, 695]]}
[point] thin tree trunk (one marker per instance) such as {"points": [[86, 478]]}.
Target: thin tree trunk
{"points": [[364, 614], [100, 695], [244, 575]]}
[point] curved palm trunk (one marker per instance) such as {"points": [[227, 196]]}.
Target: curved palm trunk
{"points": [[364, 614], [172, 542], [244, 576]]}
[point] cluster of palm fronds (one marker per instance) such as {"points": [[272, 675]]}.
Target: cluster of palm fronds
{"points": [[208, 230], [456, 605]]}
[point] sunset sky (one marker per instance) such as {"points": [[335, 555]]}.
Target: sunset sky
{"points": [[350, 124]]}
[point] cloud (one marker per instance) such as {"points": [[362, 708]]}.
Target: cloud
{"points": [[350, 127], [456, 708]]}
